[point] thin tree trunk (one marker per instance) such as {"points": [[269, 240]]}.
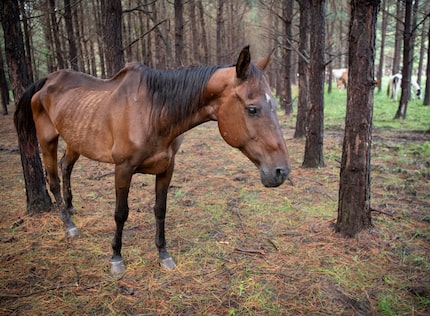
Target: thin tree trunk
{"points": [[73, 52], [56, 35], [27, 42], [354, 212], [203, 30], [422, 52], [427, 90], [219, 32], [112, 37], [99, 30], [287, 100], [380, 73], [302, 108], [398, 38], [313, 157], [195, 34], [408, 53], [179, 33], [4, 87]]}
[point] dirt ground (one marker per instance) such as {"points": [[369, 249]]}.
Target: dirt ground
{"points": [[241, 249]]}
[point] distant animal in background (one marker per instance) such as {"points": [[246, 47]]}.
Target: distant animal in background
{"points": [[342, 82], [394, 86], [337, 74]]}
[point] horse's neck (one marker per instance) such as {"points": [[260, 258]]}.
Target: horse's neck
{"points": [[217, 91]]}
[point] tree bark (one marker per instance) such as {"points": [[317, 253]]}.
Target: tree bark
{"points": [[302, 108], [37, 196], [354, 212], [427, 92], [380, 72], [112, 37], [4, 87], [408, 53], [55, 32], [287, 99], [204, 40], [219, 32], [398, 38], [179, 33], [313, 157], [73, 52]]}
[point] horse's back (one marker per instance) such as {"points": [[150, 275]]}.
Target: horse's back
{"points": [[87, 112]]}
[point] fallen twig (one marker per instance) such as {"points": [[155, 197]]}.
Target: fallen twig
{"points": [[389, 213], [98, 177], [253, 251]]}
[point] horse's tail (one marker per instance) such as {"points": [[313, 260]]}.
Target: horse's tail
{"points": [[23, 118]]}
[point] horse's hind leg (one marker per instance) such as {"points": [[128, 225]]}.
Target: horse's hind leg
{"points": [[49, 147], [66, 163]]}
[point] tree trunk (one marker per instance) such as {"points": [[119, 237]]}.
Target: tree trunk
{"points": [[73, 52], [36, 193], [427, 92], [55, 32], [195, 36], [204, 40], [112, 26], [313, 157], [27, 41], [422, 53], [219, 32], [179, 33], [398, 38], [380, 72], [4, 87], [287, 99], [408, 53], [354, 188], [302, 108]]}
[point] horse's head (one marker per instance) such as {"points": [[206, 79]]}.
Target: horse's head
{"points": [[247, 120]]}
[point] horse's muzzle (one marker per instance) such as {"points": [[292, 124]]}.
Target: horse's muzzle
{"points": [[274, 178]]}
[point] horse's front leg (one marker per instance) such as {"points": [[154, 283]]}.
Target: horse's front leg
{"points": [[66, 164], [123, 176], [162, 183]]}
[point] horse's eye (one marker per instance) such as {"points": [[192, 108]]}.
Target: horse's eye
{"points": [[252, 110]]}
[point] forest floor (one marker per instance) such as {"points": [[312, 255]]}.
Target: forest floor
{"points": [[241, 249]]}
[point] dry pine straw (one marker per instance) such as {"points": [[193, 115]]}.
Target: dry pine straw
{"points": [[237, 250]]}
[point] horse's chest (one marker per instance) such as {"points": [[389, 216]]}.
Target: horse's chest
{"points": [[158, 162]]}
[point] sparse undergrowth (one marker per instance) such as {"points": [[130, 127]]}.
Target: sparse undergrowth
{"points": [[241, 249]]}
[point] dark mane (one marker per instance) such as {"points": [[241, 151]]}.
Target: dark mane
{"points": [[178, 92]]}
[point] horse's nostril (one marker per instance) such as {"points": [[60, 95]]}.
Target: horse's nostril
{"points": [[282, 171]]}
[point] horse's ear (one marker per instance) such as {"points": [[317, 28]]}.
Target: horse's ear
{"points": [[243, 62], [262, 63]]}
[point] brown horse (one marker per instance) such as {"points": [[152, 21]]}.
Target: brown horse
{"points": [[136, 120]]}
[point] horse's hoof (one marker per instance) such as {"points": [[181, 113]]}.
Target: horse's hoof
{"points": [[167, 263], [117, 266], [72, 232]]}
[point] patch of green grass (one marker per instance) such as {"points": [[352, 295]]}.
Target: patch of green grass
{"points": [[384, 110], [387, 304]]}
